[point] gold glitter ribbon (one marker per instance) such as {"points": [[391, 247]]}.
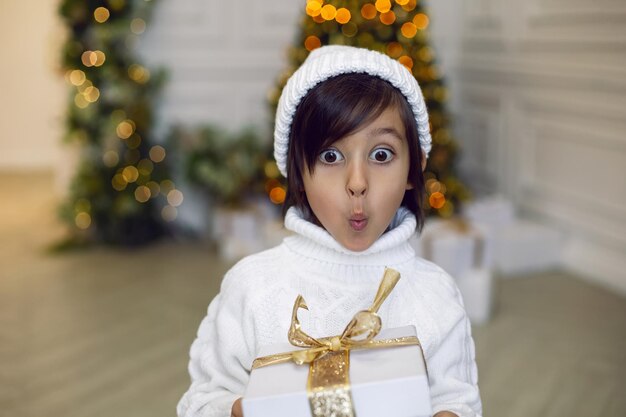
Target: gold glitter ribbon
{"points": [[328, 385]]}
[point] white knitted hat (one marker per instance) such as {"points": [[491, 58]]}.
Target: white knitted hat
{"points": [[332, 60]]}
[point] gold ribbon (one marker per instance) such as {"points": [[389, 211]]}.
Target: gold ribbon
{"points": [[328, 384]]}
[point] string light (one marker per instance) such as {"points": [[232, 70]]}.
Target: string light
{"points": [[175, 198], [312, 42], [408, 30], [436, 200], [277, 195], [329, 12], [343, 16], [169, 213], [82, 220], [388, 18], [157, 153], [313, 8], [421, 21], [383, 6], [406, 61], [142, 194], [125, 129], [101, 14], [138, 26], [368, 11], [77, 77]]}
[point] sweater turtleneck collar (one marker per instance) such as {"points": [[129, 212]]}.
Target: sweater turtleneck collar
{"points": [[312, 241]]}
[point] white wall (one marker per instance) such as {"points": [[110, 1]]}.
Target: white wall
{"points": [[539, 101], [32, 90]]}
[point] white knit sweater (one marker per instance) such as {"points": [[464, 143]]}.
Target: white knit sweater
{"points": [[254, 305]]}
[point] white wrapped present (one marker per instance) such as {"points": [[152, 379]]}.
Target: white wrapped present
{"points": [[383, 382]]}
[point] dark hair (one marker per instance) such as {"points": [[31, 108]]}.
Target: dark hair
{"points": [[335, 108]]}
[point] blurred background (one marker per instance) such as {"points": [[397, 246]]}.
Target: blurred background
{"points": [[136, 168]]}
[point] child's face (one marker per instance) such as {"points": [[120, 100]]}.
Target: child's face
{"points": [[359, 182]]}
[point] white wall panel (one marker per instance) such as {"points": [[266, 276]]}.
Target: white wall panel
{"points": [[555, 75]]}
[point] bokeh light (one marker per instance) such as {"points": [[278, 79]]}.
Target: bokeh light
{"points": [[329, 12], [157, 153], [101, 14], [436, 200], [388, 18], [406, 61], [343, 16], [125, 129], [383, 6], [138, 26], [277, 195], [408, 30], [169, 213], [421, 21], [82, 220], [312, 42], [175, 198], [368, 11]]}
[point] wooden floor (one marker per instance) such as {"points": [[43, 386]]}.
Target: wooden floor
{"points": [[106, 332]]}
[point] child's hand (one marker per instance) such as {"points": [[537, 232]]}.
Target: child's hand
{"points": [[236, 411]]}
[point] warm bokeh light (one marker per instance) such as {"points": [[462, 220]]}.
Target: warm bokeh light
{"points": [[167, 186], [425, 54], [101, 14], [138, 26], [406, 61], [271, 170], [133, 141], [142, 194], [145, 167], [436, 200], [409, 6], [368, 11], [118, 182], [169, 213], [82, 220], [312, 42], [388, 18], [157, 153], [343, 16], [408, 30], [89, 58], [154, 187], [421, 21], [277, 195], [329, 12], [91, 94], [80, 101], [110, 158], [138, 73], [125, 129], [383, 6], [394, 49], [100, 58], [402, 2], [313, 8], [77, 77], [130, 173], [175, 198]]}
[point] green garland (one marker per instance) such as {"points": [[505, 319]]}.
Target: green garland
{"points": [[119, 190]]}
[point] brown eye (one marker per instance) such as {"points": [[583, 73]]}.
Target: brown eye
{"points": [[381, 155], [330, 156]]}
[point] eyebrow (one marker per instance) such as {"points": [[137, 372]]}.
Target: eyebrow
{"points": [[381, 131]]}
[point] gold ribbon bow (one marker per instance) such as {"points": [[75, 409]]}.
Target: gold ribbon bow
{"points": [[328, 385]]}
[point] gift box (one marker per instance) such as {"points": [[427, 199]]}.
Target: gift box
{"points": [[362, 372], [383, 382], [524, 247], [464, 250]]}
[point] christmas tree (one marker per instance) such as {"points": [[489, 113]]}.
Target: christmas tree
{"points": [[399, 29], [121, 193]]}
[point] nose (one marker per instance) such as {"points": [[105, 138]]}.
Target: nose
{"points": [[356, 184]]}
